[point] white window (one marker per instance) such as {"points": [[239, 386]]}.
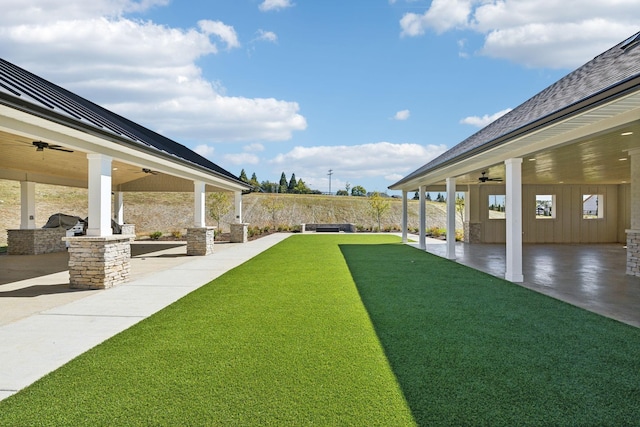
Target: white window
{"points": [[545, 206], [496, 206], [592, 206]]}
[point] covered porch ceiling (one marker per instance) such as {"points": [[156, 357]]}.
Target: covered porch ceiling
{"points": [[133, 169], [587, 148]]}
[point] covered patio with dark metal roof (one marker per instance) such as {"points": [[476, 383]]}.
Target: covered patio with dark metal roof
{"points": [[578, 139], [52, 136]]}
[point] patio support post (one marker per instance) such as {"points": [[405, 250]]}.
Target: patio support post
{"points": [[27, 205], [633, 234], [423, 218], [198, 204], [119, 207], [238, 206], [451, 218], [404, 216], [99, 195], [513, 210]]}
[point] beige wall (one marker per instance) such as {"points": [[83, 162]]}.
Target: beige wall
{"points": [[568, 226]]}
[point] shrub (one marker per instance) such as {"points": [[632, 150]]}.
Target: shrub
{"points": [[176, 233], [155, 235]]}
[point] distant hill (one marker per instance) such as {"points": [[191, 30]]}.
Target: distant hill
{"points": [[173, 212]]}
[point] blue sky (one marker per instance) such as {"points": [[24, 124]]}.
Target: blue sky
{"points": [[371, 89]]}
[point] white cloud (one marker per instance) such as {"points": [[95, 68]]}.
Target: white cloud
{"points": [[484, 120], [402, 115], [141, 70], [535, 33], [274, 5], [242, 159], [226, 32], [356, 162], [255, 147], [204, 150], [268, 36]]}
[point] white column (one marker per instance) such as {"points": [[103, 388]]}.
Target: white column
{"points": [[238, 206], [27, 205], [199, 204], [119, 207], [451, 218], [405, 216], [99, 195], [513, 210], [422, 238]]}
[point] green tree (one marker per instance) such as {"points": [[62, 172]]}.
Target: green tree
{"points": [[342, 193], [243, 176], [255, 184], [358, 190], [379, 205], [219, 205], [301, 188], [269, 187], [283, 183], [416, 196], [292, 184], [428, 197], [440, 198], [273, 205]]}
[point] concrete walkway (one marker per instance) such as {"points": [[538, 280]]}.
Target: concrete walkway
{"points": [[44, 340]]}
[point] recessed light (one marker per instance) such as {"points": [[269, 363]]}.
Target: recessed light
{"points": [[532, 160], [622, 159], [626, 133], [115, 169]]}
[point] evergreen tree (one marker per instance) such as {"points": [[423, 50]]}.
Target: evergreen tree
{"points": [[428, 197], [292, 184], [243, 176], [283, 183], [416, 196], [255, 184]]}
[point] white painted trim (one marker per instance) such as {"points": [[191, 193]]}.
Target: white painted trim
{"points": [[451, 218], [513, 208], [405, 216], [423, 220], [199, 204], [238, 206], [118, 207], [99, 195], [27, 205]]}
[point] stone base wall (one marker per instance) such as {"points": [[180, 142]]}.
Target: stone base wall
{"points": [[239, 233], [129, 229], [473, 232], [99, 262], [200, 241], [347, 228], [633, 252], [36, 241]]}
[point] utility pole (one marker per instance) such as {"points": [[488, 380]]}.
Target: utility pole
{"points": [[330, 173]]}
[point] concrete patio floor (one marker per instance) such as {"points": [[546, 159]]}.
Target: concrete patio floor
{"points": [[588, 276]]}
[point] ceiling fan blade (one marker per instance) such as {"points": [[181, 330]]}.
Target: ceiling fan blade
{"points": [[59, 148]]}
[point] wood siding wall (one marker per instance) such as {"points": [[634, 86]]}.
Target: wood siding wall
{"points": [[568, 226]]}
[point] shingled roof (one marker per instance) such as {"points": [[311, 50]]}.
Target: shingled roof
{"points": [[608, 75], [25, 91]]}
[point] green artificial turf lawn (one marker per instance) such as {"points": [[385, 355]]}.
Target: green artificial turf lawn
{"points": [[281, 340], [350, 330]]}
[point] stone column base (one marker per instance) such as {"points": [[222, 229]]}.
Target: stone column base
{"points": [[472, 232], [99, 262], [129, 229], [36, 241], [239, 233], [633, 252], [200, 241]]}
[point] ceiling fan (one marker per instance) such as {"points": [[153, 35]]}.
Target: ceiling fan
{"points": [[40, 146], [485, 178]]}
